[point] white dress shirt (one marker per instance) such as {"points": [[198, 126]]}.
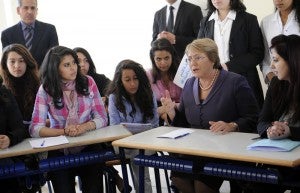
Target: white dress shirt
{"points": [[222, 31], [272, 26]]}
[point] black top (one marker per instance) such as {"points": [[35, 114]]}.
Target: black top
{"points": [[101, 81], [10, 117]]}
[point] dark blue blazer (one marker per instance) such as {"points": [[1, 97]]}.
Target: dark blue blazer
{"points": [[186, 25], [246, 48], [44, 38], [230, 100]]}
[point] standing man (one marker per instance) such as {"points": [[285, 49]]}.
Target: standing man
{"points": [[37, 36], [178, 22]]}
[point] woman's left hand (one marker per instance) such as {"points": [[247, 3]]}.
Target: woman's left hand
{"points": [[221, 127], [4, 141]]}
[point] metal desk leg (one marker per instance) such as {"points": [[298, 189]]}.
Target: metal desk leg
{"points": [[142, 175], [124, 169], [157, 180]]}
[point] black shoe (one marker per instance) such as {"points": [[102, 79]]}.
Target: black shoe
{"points": [[174, 189], [130, 189]]}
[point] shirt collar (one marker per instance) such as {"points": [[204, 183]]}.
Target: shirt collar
{"points": [[25, 25], [231, 15], [175, 4], [277, 16]]}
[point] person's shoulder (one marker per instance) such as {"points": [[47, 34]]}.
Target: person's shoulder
{"points": [[268, 18], [44, 24], [11, 28]]}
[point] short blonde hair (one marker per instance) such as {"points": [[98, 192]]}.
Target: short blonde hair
{"points": [[208, 47]]}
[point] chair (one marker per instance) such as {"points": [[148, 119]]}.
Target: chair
{"points": [[109, 174]]}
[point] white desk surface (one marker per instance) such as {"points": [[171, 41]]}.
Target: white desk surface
{"points": [[231, 146], [105, 134]]}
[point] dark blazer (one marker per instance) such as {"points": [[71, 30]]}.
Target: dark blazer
{"points": [[186, 25], [10, 118], [272, 111], [230, 100], [246, 48], [44, 38]]}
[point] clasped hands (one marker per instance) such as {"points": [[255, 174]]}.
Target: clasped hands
{"points": [[4, 141], [278, 130], [167, 35], [167, 109], [74, 130]]}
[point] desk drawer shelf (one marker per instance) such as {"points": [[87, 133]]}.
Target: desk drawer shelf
{"points": [[242, 173], [68, 161], [164, 162]]}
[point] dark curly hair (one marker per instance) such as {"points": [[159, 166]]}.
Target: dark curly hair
{"points": [[51, 80], [143, 97]]}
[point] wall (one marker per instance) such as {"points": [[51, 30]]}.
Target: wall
{"points": [[111, 31]]}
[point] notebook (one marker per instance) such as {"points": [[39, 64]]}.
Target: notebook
{"points": [[274, 145], [137, 127]]}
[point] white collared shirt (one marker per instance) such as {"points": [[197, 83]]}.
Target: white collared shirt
{"points": [[175, 10], [271, 26], [222, 31]]}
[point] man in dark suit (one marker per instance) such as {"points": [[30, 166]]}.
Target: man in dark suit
{"points": [[43, 35], [186, 17]]}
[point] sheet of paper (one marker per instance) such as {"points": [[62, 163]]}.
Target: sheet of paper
{"points": [[274, 145], [48, 141], [137, 127], [177, 133], [183, 73]]}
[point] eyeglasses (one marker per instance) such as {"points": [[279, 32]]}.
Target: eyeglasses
{"points": [[195, 58]]}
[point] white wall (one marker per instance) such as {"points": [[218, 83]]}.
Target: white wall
{"points": [[110, 30]]}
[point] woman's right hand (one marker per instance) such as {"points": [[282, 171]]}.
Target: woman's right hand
{"points": [[168, 105], [278, 130]]}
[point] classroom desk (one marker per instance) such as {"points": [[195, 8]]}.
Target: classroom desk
{"points": [[105, 134], [231, 146]]}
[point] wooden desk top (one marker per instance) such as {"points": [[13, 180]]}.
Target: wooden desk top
{"points": [[105, 134], [232, 146]]}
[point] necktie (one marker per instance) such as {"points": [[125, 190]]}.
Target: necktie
{"points": [[28, 37], [170, 24]]}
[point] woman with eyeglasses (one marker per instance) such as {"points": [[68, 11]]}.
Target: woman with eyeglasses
{"points": [[213, 99]]}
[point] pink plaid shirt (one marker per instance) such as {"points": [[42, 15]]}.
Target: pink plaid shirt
{"points": [[90, 108]]}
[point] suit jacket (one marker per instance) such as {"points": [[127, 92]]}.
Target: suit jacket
{"points": [[44, 38], [186, 25], [273, 109], [230, 100], [246, 48]]}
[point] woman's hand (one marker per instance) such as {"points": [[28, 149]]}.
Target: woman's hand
{"points": [[278, 130], [72, 131], [168, 106], [221, 127], [4, 141]]}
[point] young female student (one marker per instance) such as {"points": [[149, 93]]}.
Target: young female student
{"points": [[87, 67], [164, 67], [239, 40], [73, 104], [131, 100], [280, 116], [20, 75], [213, 99], [11, 132], [285, 20]]}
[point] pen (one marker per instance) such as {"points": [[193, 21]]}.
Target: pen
{"points": [[179, 136], [255, 138], [43, 143]]}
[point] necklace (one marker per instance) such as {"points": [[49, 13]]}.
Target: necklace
{"points": [[211, 83]]}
